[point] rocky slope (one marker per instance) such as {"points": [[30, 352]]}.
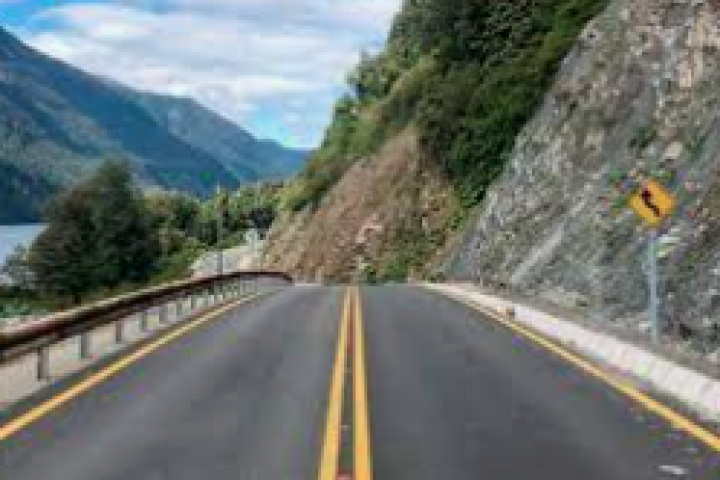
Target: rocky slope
{"points": [[369, 223], [56, 122], [424, 128], [636, 99]]}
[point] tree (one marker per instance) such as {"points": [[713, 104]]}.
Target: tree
{"points": [[98, 236], [172, 210], [126, 247], [17, 269], [61, 256], [174, 216], [262, 217]]}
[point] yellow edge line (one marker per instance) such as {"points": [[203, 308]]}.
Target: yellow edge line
{"points": [[48, 406], [677, 420], [363, 457], [331, 444]]}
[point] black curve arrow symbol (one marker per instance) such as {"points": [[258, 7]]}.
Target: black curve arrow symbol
{"points": [[647, 198]]}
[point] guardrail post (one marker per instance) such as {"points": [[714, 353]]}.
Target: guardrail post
{"points": [[120, 331], [162, 313], [86, 345], [192, 302], [144, 321], [43, 364], [178, 308]]}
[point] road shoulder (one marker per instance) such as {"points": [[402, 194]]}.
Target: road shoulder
{"points": [[698, 392]]}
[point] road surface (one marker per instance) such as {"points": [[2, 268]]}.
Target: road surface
{"points": [[309, 383]]}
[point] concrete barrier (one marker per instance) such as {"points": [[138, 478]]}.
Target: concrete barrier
{"points": [[696, 390]]}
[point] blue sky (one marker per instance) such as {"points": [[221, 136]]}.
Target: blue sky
{"points": [[274, 66]]}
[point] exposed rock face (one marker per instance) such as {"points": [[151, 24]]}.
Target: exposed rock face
{"points": [[636, 99], [361, 221]]}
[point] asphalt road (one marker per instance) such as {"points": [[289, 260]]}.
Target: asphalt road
{"points": [[451, 395]]}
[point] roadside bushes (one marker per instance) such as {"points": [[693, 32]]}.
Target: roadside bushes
{"points": [[105, 235]]}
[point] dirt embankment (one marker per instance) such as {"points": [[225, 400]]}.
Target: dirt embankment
{"points": [[383, 207]]}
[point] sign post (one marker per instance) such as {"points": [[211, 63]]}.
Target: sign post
{"points": [[653, 204], [653, 282]]}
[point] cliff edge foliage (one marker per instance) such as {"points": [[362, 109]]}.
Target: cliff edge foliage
{"points": [[467, 74]]}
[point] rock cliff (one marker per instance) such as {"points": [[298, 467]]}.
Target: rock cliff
{"points": [[636, 99]]}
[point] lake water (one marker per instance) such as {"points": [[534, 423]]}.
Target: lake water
{"points": [[13, 235]]}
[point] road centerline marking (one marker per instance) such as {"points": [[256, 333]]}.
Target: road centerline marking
{"points": [[349, 362], [675, 419], [329, 458], [363, 452], [36, 413]]}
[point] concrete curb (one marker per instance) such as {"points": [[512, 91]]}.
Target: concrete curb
{"points": [[696, 390]]}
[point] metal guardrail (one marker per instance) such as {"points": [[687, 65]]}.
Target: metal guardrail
{"points": [[188, 297]]}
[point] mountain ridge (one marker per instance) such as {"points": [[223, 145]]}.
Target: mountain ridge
{"points": [[58, 122]]}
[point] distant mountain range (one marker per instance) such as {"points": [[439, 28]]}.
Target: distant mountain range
{"points": [[58, 122]]}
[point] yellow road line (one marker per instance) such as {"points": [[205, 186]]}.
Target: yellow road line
{"points": [[676, 419], [331, 444], [83, 386], [363, 457]]}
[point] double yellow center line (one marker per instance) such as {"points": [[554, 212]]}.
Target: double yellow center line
{"points": [[351, 332]]}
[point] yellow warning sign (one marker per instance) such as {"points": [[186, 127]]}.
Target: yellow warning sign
{"points": [[653, 203]]}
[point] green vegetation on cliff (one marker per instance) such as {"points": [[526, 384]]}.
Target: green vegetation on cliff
{"points": [[468, 74]]}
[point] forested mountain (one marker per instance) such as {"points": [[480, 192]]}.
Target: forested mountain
{"points": [[57, 122], [241, 153]]}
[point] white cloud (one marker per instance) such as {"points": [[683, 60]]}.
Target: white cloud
{"points": [[243, 58], [351, 15]]}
